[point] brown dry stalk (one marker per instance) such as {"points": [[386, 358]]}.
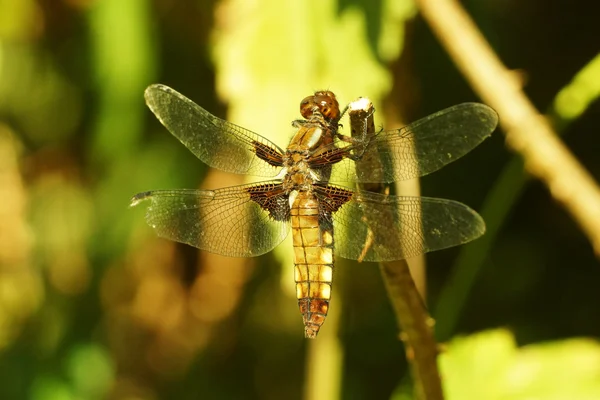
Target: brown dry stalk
{"points": [[412, 317]]}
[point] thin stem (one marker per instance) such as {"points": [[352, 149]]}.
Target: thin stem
{"points": [[411, 315]]}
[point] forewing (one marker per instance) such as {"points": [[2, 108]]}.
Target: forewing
{"points": [[377, 227], [218, 143], [415, 150], [238, 221]]}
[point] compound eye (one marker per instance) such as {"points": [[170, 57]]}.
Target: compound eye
{"points": [[306, 106], [325, 101], [328, 105]]}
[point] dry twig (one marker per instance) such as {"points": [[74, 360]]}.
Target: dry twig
{"points": [[413, 319]]}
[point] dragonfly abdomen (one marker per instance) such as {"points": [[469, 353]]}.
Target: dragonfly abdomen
{"points": [[313, 259]]}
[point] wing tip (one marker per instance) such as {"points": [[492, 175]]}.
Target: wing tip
{"points": [[478, 223], [157, 86], [149, 93], [469, 223], [481, 225], [138, 198], [490, 116]]}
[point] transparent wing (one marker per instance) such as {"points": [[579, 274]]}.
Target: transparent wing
{"points": [[376, 227], [216, 142], [415, 150], [238, 221]]}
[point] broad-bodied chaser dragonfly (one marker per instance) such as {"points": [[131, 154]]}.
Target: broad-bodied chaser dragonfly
{"points": [[250, 220]]}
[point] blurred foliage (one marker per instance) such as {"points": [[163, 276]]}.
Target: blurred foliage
{"points": [[575, 98], [94, 306], [489, 365], [572, 101]]}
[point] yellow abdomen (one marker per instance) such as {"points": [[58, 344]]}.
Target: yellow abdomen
{"points": [[313, 259]]}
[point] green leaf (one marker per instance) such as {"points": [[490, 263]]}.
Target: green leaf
{"points": [[489, 365]]}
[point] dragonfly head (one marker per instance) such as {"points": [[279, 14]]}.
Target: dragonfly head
{"points": [[323, 102]]}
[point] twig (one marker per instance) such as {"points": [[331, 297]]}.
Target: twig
{"points": [[527, 132], [413, 320]]}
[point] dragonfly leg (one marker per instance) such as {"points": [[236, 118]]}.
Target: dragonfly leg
{"points": [[359, 145]]}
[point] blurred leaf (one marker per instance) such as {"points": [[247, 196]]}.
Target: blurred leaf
{"points": [[123, 59], [36, 94], [490, 366], [50, 388], [21, 286], [575, 98], [124, 64], [62, 216], [50, 328], [18, 19], [91, 371]]}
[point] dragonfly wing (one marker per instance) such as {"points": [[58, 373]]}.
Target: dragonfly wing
{"points": [[376, 227], [416, 149], [238, 221], [218, 143]]}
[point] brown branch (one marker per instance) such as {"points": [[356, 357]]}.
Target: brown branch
{"points": [[413, 320], [527, 132]]}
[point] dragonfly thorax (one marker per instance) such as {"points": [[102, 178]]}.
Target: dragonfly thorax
{"points": [[298, 175], [310, 136]]}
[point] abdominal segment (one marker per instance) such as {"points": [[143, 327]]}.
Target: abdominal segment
{"points": [[313, 259]]}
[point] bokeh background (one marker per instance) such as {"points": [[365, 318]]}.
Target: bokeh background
{"points": [[94, 306]]}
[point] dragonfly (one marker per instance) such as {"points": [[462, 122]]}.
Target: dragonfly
{"points": [[304, 194]]}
